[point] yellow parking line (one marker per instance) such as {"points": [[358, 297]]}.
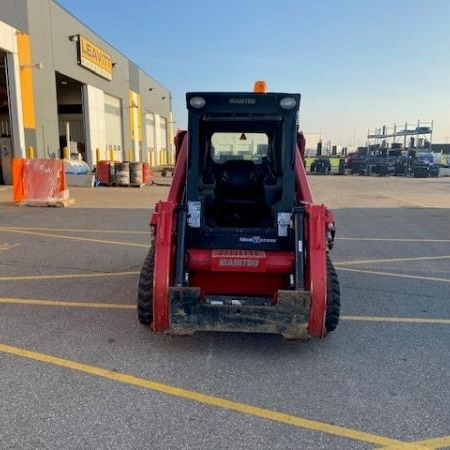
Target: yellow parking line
{"points": [[405, 446], [27, 301], [73, 238], [440, 442], [68, 276], [5, 247], [77, 230], [73, 304], [435, 443], [396, 319], [198, 397], [387, 260], [390, 239], [398, 275]]}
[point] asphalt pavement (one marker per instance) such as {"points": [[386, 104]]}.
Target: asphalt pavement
{"points": [[77, 370]]}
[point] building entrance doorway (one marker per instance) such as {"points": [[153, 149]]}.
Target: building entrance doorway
{"points": [[6, 147], [71, 119]]}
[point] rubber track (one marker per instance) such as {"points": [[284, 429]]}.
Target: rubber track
{"points": [[145, 285], [333, 298]]}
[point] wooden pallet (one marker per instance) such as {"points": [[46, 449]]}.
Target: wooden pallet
{"points": [[135, 185], [55, 203]]}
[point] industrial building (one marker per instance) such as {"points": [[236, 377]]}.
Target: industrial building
{"points": [[61, 85]]}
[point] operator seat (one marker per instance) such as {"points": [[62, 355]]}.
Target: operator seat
{"points": [[238, 183], [239, 194]]}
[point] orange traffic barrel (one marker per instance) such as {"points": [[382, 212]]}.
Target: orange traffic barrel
{"points": [[104, 171], [146, 173]]}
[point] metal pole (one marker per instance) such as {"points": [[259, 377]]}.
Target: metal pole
{"points": [[299, 274], [181, 244], [68, 139], [431, 137]]}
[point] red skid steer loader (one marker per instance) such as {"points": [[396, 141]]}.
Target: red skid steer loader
{"points": [[239, 244]]}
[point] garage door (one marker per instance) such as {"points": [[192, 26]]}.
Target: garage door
{"points": [[113, 126]]}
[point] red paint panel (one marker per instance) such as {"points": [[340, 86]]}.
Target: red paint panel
{"points": [[238, 260], [329, 216], [303, 189], [266, 262], [316, 268], [164, 219], [317, 219], [179, 174], [269, 273], [178, 179], [238, 283]]}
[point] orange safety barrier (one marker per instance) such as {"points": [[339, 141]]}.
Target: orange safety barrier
{"points": [[17, 167], [39, 180], [147, 173]]}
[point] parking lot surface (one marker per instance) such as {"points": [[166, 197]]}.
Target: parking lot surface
{"points": [[77, 370]]}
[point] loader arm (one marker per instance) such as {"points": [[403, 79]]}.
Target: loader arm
{"points": [[164, 221]]}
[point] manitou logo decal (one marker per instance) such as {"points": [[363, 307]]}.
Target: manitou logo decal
{"points": [[238, 261], [242, 101], [257, 240], [232, 262]]}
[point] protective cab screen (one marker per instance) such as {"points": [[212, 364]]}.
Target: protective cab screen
{"points": [[245, 146]]}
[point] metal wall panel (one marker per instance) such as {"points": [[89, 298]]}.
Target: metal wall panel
{"points": [[14, 13]]}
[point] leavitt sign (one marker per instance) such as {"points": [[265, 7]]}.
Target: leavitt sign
{"points": [[94, 58]]}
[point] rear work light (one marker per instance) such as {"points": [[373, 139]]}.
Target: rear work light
{"points": [[197, 102], [288, 102]]}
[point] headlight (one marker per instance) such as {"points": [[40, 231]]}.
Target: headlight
{"points": [[197, 102], [288, 102]]}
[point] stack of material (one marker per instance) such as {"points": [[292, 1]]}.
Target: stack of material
{"points": [[40, 182]]}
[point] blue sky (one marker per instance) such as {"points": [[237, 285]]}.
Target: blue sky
{"points": [[358, 64]]}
